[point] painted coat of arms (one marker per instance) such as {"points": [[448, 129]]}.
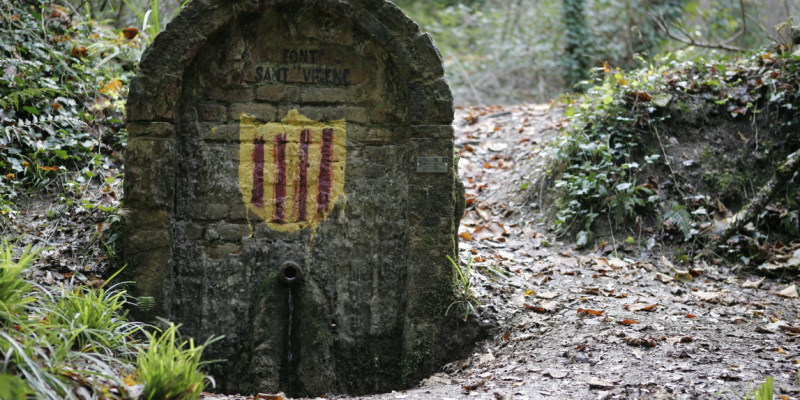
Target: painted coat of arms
{"points": [[291, 172]]}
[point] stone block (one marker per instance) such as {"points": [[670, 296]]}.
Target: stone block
{"points": [[433, 131], [210, 112], [231, 94], [431, 102], [373, 27], [151, 129], [396, 20], [278, 93], [150, 173], [356, 115], [262, 112], [210, 211], [227, 132], [324, 95], [428, 61], [226, 232], [146, 240], [147, 219]]}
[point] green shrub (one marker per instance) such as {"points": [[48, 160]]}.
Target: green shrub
{"points": [[15, 292], [96, 317], [169, 367], [465, 296], [63, 82], [38, 348], [764, 392], [13, 388]]}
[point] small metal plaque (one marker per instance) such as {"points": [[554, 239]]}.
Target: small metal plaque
{"points": [[435, 165]]}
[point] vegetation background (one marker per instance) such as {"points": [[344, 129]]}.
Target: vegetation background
{"points": [[64, 70]]}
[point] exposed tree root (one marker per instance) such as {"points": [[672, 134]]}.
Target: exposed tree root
{"points": [[765, 196]]}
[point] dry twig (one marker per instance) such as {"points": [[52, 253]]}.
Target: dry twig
{"points": [[691, 42]]}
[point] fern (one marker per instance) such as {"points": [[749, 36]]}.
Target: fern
{"points": [[681, 218], [26, 125], [15, 61], [23, 95]]}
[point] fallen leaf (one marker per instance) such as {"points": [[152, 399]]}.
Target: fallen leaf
{"points": [[707, 296], [644, 341], [506, 335], [741, 136], [627, 322], [494, 146], [664, 278], [790, 292], [780, 350], [266, 396], [112, 87], [130, 33], [475, 386], [638, 353], [535, 308], [547, 295], [690, 316], [641, 307], [485, 358], [466, 236], [753, 284], [482, 233], [597, 383], [602, 261], [681, 275], [617, 263], [593, 312], [538, 278], [556, 374], [789, 328], [550, 305]]}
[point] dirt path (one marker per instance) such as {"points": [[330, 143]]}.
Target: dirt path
{"points": [[655, 338]]}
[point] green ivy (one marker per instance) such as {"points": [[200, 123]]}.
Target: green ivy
{"points": [[63, 83], [595, 161]]}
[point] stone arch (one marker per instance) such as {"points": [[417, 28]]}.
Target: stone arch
{"points": [[154, 93], [212, 267]]}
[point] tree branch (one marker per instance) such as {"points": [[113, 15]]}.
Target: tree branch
{"points": [[688, 39], [765, 195]]}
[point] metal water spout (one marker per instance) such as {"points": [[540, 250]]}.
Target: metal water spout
{"points": [[290, 273]]}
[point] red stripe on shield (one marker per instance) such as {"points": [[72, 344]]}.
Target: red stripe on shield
{"points": [[280, 182]]}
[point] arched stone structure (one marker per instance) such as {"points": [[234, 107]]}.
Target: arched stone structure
{"points": [[267, 131]]}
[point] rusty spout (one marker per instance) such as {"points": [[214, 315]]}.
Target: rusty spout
{"points": [[290, 273]]}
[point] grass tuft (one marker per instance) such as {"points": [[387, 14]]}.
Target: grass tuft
{"points": [[169, 366]]}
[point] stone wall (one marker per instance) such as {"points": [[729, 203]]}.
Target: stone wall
{"points": [[270, 131]]}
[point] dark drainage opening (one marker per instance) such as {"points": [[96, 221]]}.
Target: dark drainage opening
{"points": [[291, 273]]}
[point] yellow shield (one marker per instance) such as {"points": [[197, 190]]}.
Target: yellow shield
{"points": [[291, 172]]}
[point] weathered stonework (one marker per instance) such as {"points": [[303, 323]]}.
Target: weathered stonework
{"points": [[267, 131]]}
